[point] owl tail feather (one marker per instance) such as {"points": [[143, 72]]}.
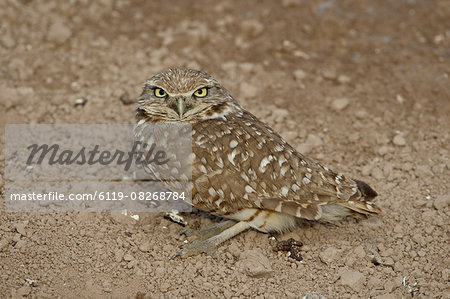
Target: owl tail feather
{"points": [[358, 206]]}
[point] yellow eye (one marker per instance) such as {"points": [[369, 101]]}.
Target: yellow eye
{"points": [[160, 93], [201, 93]]}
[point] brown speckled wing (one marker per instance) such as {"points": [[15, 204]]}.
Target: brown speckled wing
{"points": [[242, 163]]}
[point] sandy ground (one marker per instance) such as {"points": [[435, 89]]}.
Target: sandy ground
{"points": [[362, 86]]}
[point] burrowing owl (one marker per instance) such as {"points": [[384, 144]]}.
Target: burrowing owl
{"points": [[243, 170]]}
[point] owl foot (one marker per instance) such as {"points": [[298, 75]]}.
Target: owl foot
{"points": [[197, 247], [222, 232], [208, 232]]}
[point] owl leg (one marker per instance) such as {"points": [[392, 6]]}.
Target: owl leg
{"points": [[206, 233], [208, 246]]}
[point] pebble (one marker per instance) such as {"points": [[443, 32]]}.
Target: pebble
{"points": [[383, 150], [248, 91], [125, 99], [3, 243], [107, 287], [128, 257], [58, 33], [360, 252], [340, 104], [328, 255], [299, 75], [24, 291], [234, 249], [7, 41], [314, 140], [375, 283], [254, 264], [20, 228], [361, 114], [122, 219], [390, 285], [351, 278], [279, 115], [301, 54], [311, 142], [377, 173], [118, 255], [145, 247], [400, 99], [342, 79], [399, 140], [21, 244], [441, 202], [314, 295], [329, 74]]}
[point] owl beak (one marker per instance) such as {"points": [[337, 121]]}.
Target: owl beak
{"points": [[181, 106]]}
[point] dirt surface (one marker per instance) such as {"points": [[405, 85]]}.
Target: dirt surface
{"points": [[362, 86]]}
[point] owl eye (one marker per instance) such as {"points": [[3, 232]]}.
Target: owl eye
{"points": [[160, 93], [201, 93]]}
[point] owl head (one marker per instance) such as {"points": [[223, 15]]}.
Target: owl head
{"points": [[184, 95]]}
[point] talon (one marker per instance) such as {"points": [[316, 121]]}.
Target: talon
{"points": [[176, 255]]}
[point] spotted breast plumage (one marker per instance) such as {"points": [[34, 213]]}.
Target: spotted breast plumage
{"points": [[241, 169]]}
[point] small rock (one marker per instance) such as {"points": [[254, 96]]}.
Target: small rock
{"points": [[7, 41], [21, 244], [314, 295], [248, 90], [360, 252], [118, 255], [31, 282], [145, 247], [107, 287], [3, 244], [388, 261], [390, 286], [128, 257], [329, 74], [340, 104], [375, 283], [328, 255], [343, 79], [351, 278], [58, 33], [125, 99], [299, 75], [399, 140], [304, 148], [20, 228], [366, 169], [361, 114], [80, 102], [314, 140], [383, 150], [254, 264], [441, 202], [445, 274], [122, 219], [280, 115], [301, 54], [234, 250], [377, 173], [23, 291], [400, 99], [252, 27]]}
